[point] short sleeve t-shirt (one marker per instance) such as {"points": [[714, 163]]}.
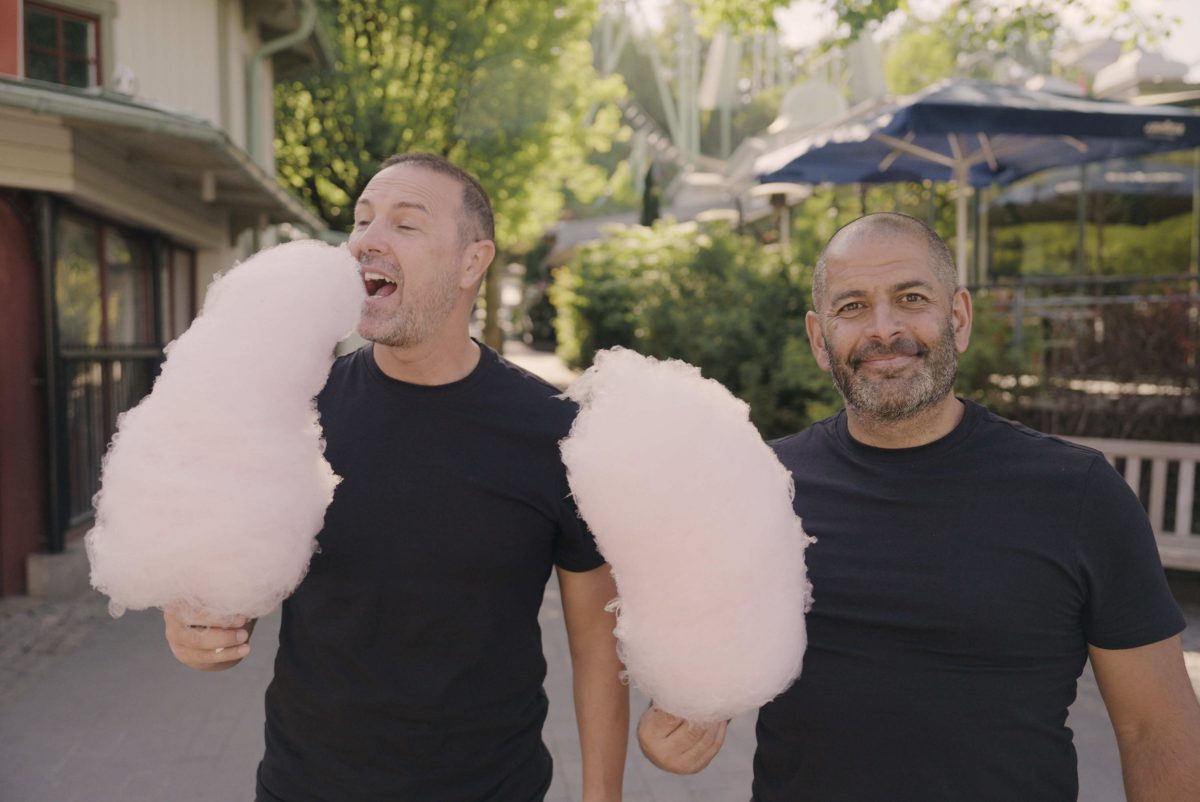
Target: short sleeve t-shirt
{"points": [[410, 663], [956, 587]]}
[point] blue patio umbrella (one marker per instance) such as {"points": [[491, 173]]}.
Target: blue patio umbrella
{"points": [[975, 133]]}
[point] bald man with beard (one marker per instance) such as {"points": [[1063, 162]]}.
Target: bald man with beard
{"points": [[965, 570]]}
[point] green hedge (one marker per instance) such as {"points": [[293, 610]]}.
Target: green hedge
{"points": [[709, 297]]}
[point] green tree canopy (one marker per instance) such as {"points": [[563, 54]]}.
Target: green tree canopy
{"points": [[504, 89]]}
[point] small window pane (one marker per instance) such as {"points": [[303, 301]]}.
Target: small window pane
{"points": [[128, 286], [183, 285], [77, 283], [77, 37], [85, 433], [41, 67], [131, 382], [39, 29], [78, 73]]}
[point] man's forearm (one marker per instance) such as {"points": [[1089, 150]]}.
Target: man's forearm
{"points": [[602, 711], [1162, 767], [601, 699]]}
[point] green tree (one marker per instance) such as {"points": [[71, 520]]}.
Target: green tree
{"points": [[651, 200], [507, 90], [967, 40]]}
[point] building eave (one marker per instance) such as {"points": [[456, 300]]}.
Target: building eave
{"points": [[181, 147]]}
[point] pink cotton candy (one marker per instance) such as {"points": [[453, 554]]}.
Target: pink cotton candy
{"points": [[693, 511], [215, 485]]}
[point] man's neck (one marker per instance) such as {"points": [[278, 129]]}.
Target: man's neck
{"points": [[925, 427], [441, 361]]}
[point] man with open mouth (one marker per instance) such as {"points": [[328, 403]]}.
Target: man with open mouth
{"points": [[410, 661]]}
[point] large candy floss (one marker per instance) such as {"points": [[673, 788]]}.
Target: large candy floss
{"points": [[694, 513], [215, 485]]}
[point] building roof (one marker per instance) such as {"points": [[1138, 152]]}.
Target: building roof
{"points": [[185, 150]]}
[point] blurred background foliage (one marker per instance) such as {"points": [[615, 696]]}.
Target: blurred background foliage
{"points": [[506, 90], [707, 296], [515, 92], [735, 308]]}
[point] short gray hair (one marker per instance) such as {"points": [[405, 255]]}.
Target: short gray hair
{"points": [[478, 221], [894, 223]]}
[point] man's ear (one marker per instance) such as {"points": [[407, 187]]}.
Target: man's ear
{"points": [[476, 258], [963, 315], [816, 340]]}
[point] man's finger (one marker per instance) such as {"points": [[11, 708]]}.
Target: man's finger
{"points": [[700, 737], [206, 638], [706, 747], [659, 723], [189, 616], [210, 657]]}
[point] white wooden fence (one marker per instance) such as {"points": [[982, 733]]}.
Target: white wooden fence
{"points": [[1177, 535]]}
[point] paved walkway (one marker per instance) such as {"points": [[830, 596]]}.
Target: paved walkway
{"points": [[97, 709]]}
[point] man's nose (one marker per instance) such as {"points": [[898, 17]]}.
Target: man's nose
{"points": [[883, 323], [365, 240]]}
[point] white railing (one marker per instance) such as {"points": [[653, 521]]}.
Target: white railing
{"points": [[1178, 545]]}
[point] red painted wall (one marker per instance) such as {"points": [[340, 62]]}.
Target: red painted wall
{"points": [[22, 400], [10, 37]]}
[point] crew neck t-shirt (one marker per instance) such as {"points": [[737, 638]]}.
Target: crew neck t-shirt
{"points": [[410, 660], [956, 587]]}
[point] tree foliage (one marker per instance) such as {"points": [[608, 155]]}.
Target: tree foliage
{"points": [[710, 297], [736, 309], [504, 89], [1120, 17]]}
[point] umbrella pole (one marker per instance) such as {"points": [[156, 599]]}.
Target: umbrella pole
{"points": [[962, 186], [785, 228], [960, 229], [1081, 219], [1194, 266]]}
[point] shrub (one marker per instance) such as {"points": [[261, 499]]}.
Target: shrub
{"points": [[709, 297]]}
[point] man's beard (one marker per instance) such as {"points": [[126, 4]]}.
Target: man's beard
{"points": [[887, 399], [416, 320]]}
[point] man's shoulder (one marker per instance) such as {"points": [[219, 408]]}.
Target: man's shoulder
{"points": [[1024, 439], [805, 441], [523, 395], [520, 379], [344, 367], [349, 360]]}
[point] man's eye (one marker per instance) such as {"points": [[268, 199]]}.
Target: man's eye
{"points": [[361, 223], [851, 307], [913, 298]]}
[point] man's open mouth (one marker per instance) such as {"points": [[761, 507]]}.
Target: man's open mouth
{"points": [[378, 286]]}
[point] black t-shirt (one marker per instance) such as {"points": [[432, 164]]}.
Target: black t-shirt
{"points": [[410, 659], [956, 587]]}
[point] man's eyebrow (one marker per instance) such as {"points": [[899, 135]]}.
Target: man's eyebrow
{"points": [[366, 202], [411, 205], [841, 296], [908, 285]]}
